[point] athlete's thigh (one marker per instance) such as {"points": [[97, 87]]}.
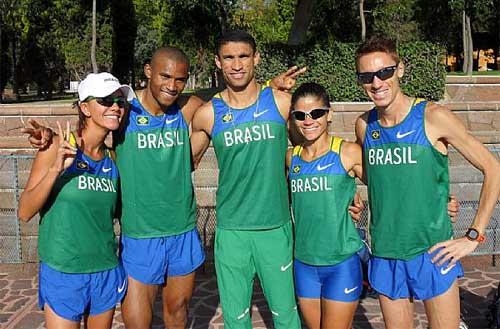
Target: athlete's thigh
{"points": [[311, 312], [272, 256], [443, 311], [178, 290], [100, 321], [137, 306], [235, 275], [342, 282], [54, 321], [398, 313], [336, 314]]}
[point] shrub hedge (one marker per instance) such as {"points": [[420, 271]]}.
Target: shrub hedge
{"points": [[333, 66]]}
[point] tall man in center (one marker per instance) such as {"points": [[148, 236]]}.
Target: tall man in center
{"points": [[248, 126]]}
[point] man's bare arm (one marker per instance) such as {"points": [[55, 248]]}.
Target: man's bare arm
{"points": [[443, 125], [201, 125]]}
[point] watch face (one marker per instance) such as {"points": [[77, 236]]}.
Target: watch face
{"points": [[473, 234]]}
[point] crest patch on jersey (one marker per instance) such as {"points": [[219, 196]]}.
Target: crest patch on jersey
{"points": [[142, 120], [375, 134], [296, 169], [82, 165], [228, 117]]}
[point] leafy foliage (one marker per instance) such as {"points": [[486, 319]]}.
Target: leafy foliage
{"points": [[334, 68]]}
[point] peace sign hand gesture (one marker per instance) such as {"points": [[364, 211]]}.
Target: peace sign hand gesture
{"points": [[287, 80], [66, 152]]}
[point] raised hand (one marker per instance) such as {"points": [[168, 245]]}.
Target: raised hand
{"points": [[40, 137], [287, 80], [66, 152]]}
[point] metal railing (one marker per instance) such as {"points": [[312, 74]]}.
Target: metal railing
{"points": [[17, 241]]}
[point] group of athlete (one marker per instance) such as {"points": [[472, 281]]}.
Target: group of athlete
{"points": [[79, 187]]}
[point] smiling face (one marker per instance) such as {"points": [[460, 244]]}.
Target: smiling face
{"points": [[237, 61], [381, 92], [167, 79], [108, 117], [311, 129]]}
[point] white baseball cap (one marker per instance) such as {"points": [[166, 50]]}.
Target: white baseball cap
{"points": [[102, 85]]}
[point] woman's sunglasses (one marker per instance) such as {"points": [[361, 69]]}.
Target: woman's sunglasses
{"points": [[382, 74], [313, 114], [108, 101]]}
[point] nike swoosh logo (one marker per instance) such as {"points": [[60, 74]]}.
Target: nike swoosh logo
{"points": [[167, 121], [348, 291], [445, 270], [242, 315], [258, 114], [284, 268], [321, 168], [400, 135], [106, 170], [120, 289]]}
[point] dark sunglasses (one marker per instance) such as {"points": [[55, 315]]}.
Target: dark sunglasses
{"points": [[313, 114], [108, 101], [382, 74]]}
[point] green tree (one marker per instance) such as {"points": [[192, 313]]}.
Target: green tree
{"points": [[470, 10], [124, 36], [395, 19], [12, 28], [267, 20]]}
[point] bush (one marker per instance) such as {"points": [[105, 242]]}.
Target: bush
{"points": [[333, 66]]}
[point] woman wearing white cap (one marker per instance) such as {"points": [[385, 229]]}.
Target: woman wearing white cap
{"points": [[74, 184]]}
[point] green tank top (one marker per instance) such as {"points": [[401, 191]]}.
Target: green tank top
{"points": [[153, 155], [250, 145], [76, 226], [321, 192], [408, 187]]}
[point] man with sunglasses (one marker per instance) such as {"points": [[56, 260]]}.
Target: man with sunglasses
{"points": [[405, 162], [160, 246]]}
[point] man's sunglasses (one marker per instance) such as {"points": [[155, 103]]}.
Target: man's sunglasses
{"points": [[313, 114], [382, 74], [108, 101]]}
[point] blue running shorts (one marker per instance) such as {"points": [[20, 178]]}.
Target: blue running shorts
{"points": [[151, 260], [417, 278], [340, 282], [71, 295]]}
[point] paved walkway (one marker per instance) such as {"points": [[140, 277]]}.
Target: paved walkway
{"points": [[19, 309]]}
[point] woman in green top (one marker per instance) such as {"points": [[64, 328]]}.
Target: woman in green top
{"points": [[73, 184], [328, 276]]}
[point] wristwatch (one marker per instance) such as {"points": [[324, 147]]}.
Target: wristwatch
{"points": [[473, 235]]}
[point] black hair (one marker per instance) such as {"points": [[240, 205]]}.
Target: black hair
{"points": [[171, 52], [311, 89], [235, 36]]}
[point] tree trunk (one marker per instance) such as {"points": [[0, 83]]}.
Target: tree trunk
{"points": [[94, 37], [465, 42], [497, 35], [301, 21], [1, 65], [470, 46], [362, 17], [15, 84]]}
